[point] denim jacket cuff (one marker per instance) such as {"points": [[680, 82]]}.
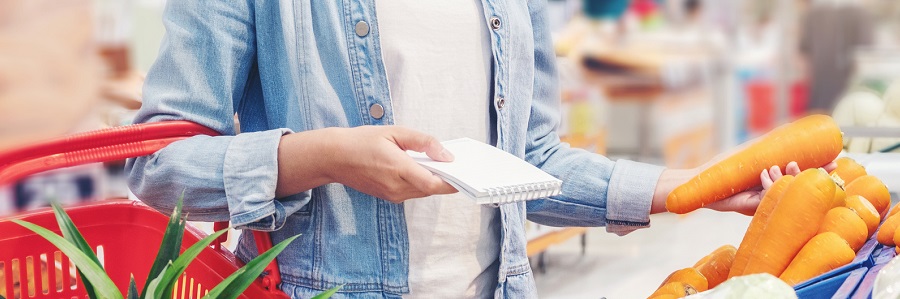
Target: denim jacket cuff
{"points": [[250, 175], [630, 195]]}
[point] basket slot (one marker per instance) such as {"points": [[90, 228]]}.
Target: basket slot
{"points": [[4, 284], [16, 284], [45, 274], [56, 276], [29, 276]]}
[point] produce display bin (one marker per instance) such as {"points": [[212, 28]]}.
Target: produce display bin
{"points": [[125, 234], [864, 290]]}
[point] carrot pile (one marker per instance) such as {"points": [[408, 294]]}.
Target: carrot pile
{"points": [[805, 225]]}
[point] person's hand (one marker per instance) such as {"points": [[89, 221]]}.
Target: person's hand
{"points": [[744, 202], [747, 201], [371, 159]]}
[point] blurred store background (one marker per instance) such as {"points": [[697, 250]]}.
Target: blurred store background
{"points": [[671, 82]]}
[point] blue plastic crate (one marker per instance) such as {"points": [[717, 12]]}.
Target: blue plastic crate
{"points": [[851, 283], [881, 258], [824, 288]]}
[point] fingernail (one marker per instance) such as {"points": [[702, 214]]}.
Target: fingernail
{"points": [[447, 155]]}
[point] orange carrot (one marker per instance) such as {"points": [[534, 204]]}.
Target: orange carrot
{"points": [[812, 141], [689, 276], [665, 296], [793, 222], [716, 265], [866, 211], [678, 289], [896, 237], [840, 195], [823, 253], [872, 189], [760, 218], [886, 232], [846, 224], [848, 170], [894, 210]]}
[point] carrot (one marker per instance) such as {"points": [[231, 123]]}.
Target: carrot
{"points": [[760, 218], [848, 170], [872, 189], [824, 252], [896, 236], [866, 211], [678, 289], [812, 141], [886, 232], [840, 195], [846, 224], [689, 276], [665, 296], [793, 222], [894, 210], [716, 265]]}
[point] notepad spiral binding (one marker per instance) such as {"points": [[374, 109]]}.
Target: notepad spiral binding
{"points": [[522, 192]]}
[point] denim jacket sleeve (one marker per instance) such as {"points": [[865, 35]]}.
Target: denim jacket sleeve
{"points": [[201, 75], [596, 191]]}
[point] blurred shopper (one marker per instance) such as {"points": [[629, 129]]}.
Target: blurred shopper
{"points": [[318, 87], [832, 31]]}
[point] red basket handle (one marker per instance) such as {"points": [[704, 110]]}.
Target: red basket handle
{"points": [[114, 144], [17, 171], [106, 137]]}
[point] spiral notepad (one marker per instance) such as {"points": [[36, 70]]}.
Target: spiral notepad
{"points": [[489, 175]]}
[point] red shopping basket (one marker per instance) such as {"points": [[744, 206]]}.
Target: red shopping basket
{"points": [[125, 234]]}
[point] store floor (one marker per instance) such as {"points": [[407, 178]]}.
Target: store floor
{"points": [[634, 265]]}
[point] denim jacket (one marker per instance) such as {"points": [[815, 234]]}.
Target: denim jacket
{"points": [[289, 66]]}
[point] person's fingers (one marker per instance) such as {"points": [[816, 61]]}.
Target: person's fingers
{"points": [[775, 173], [424, 180], [744, 203], [413, 140], [830, 166], [766, 179], [792, 169]]}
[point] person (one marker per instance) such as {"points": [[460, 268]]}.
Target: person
{"points": [[330, 94], [831, 32]]}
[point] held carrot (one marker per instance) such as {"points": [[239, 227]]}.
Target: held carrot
{"points": [[760, 218], [689, 276], [872, 189], [886, 232], [866, 211], [846, 224], [812, 141], [716, 265], [848, 170], [823, 253], [793, 222]]}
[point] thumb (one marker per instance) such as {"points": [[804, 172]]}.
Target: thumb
{"points": [[413, 140]]}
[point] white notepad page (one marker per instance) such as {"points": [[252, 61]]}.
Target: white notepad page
{"points": [[490, 175]]}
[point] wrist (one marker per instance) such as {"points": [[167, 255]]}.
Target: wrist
{"points": [[668, 181], [303, 160]]}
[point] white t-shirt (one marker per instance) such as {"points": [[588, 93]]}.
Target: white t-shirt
{"points": [[438, 62]]}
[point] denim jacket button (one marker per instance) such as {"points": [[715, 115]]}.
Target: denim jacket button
{"points": [[495, 23], [376, 111], [500, 103], [362, 28]]}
